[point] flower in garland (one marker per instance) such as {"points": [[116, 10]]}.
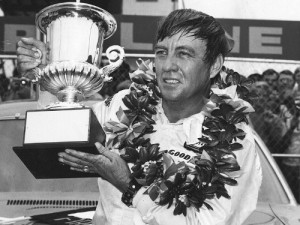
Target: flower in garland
{"points": [[144, 80], [172, 186], [147, 161], [124, 129], [229, 78], [145, 72]]}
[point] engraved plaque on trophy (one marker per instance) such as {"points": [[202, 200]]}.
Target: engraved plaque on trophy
{"points": [[75, 33]]}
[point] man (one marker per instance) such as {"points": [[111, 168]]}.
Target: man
{"points": [[286, 84], [297, 81], [190, 49], [271, 77]]}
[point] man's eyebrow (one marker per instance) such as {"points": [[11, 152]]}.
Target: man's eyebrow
{"points": [[186, 47], [182, 47], [159, 46]]}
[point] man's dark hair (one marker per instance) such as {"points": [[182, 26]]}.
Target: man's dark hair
{"points": [[198, 25], [297, 70], [255, 77], [286, 72], [270, 72]]}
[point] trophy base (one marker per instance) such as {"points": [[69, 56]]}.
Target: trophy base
{"points": [[48, 132], [43, 162]]}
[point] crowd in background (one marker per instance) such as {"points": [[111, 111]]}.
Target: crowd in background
{"points": [[276, 118]]}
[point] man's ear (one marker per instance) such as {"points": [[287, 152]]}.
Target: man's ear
{"points": [[217, 66]]}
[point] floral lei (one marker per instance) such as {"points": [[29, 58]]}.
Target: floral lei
{"points": [[215, 162]]}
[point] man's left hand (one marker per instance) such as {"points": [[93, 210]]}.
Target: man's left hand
{"points": [[107, 164]]}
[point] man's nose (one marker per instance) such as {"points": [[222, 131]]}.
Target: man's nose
{"points": [[170, 64]]}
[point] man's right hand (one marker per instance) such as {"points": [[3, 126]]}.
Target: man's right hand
{"points": [[31, 54]]}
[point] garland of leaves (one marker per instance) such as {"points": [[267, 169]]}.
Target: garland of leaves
{"points": [[215, 161]]}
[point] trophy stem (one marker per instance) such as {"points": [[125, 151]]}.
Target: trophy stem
{"points": [[70, 95]]}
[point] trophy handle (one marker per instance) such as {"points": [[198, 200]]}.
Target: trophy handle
{"points": [[115, 55]]}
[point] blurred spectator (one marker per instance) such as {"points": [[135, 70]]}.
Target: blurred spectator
{"points": [[286, 84], [271, 77], [4, 84], [290, 166], [267, 115], [18, 88], [120, 81], [297, 81], [255, 77]]}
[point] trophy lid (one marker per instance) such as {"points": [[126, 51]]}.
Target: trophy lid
{"points": [[76, 9]]}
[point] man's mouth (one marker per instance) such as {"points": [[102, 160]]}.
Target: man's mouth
{"points": [[171, 81]]}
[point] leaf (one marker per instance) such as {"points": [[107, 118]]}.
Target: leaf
{"points": [[119, 128], [109, 126], [205, 155], [227, 180], [225, 108], [143, 155], [241, 110], [138, 79], [217, 113], [236, 146], [141, 181], [122, 117], [205, 163], [153, 192], [174, 168], [180, 208], [153, 150], [179, 179], [132, 153], [208, 206], [139, 127], [216, 99], [167, 161]]}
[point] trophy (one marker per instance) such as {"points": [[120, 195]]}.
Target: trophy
{"points": [[74, 33]]}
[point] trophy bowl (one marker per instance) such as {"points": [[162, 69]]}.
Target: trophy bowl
{"points": [[74, 35]]}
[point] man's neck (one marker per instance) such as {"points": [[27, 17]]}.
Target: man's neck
{"points": [[175, 111]]}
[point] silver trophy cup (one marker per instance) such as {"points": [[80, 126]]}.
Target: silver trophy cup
{"points": [[75, 34]]}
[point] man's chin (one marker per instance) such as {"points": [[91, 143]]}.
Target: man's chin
{"points": [[169, 97]]}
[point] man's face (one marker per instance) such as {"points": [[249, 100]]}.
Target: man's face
{"points": [[285, 81], [181, 72], [271, 79]]}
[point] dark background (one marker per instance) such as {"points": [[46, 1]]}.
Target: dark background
{"points": [[31, 7]]}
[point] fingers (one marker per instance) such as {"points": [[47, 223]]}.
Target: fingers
{"points": [[104, 151], [25, 66], [89, 170], [77, 160], [72, 161], [33, 43], [32, 52]]}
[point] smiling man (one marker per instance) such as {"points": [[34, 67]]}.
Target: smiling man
{"points": [[190, 50], [178, 63]]}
